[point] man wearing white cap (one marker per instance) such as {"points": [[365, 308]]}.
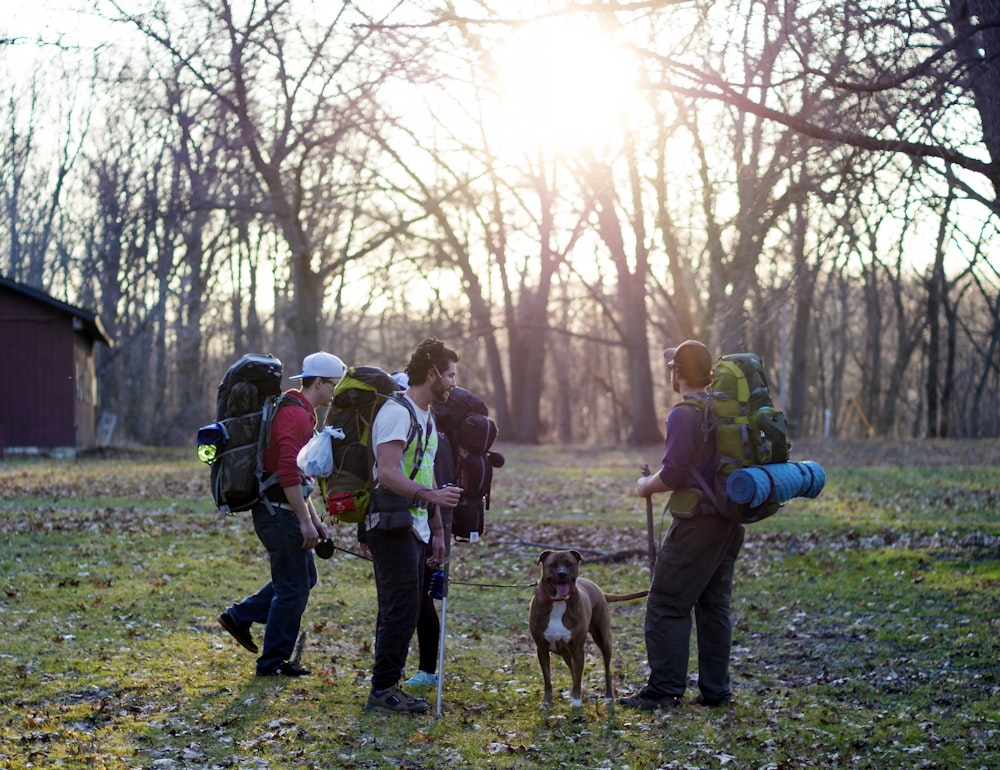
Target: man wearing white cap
{"points": [[287, 525], [694, 566]]}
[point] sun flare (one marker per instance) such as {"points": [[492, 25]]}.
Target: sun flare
{"points": [[562, 85]]}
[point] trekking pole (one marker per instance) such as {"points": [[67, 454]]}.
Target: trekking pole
{"points": [[649, 526], [439, 590], [297, 652]]}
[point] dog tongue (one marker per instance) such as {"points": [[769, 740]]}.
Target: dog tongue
{"points": [[562, 590]]}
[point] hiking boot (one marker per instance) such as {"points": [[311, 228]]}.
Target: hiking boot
{"points": [[240, 633], [701, 700], [395, 701], [286, 669], [648, 703], [421, 679]]}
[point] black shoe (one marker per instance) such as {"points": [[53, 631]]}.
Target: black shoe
{"points": [[286, 669], [240, 633], [701, 700], [395, 701], [642, 701]]}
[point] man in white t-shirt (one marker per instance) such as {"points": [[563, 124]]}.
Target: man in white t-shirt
{"points": [[404, 517]]}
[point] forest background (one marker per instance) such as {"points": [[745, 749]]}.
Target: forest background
{"points": [[557, 189]]}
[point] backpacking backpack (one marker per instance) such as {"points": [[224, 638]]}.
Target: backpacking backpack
{"points": [[234, 445], [358, 396], [749, 430], [465, 435]]}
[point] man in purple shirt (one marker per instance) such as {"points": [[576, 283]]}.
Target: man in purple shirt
{"points": [[695, 563]]}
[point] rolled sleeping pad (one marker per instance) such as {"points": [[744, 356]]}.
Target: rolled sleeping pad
{"points": [[778, 482]]}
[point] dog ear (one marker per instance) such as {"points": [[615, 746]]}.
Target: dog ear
{"points": [[543, 556], [578, 555]]}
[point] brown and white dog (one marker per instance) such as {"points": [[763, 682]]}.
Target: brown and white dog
{"points": [[563, 610]]}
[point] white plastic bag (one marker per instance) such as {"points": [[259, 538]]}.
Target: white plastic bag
{"points": [[316, 457]]}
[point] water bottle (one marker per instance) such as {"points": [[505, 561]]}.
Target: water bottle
{"points": [[207, 453], [436, 589]]}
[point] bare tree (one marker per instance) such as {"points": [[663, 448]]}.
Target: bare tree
{"points": [[34, 171], [266, 179], [296, 90]]}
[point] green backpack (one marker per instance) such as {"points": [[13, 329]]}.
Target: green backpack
{"points": [[358, 396], [749, 431]]}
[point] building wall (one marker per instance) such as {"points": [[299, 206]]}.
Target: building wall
{"points": [[85, 390], [38, 389]]}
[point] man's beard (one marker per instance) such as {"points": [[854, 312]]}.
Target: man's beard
{"points": [[440, 392]]}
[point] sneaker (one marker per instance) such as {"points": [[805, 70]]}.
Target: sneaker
{"points": [[701, 700], [286, 669], [422, 679], [240, 633], [395, 701], [643, 701]]}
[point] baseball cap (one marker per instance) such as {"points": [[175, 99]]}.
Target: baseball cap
{"points": [[325, 365], [693, 358]]}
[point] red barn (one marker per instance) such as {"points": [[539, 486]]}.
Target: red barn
{"points": [[48, 399]]}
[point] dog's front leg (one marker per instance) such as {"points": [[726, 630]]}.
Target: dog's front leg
{"points": [[576, 660], [545, 664]]}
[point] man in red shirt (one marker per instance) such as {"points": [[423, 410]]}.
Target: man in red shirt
{"points": [[287, 525]]}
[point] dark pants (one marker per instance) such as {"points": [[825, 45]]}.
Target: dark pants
{"points": [[428, 622], [399, 571], [694, 570], [428, 628], [281, 602]]}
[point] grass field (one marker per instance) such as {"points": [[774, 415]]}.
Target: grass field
{"points": [[866, 625]]}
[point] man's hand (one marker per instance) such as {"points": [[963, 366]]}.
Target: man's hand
{"points": [[321, 528], [439, 554], [443, 497], [310, 535], [646, 486]]}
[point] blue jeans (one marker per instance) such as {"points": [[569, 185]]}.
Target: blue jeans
{"points": [[693, 571], [281, 602], [399, 571]]}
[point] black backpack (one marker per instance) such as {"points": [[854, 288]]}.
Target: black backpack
{"points": [[233, 446], [466, 434]]}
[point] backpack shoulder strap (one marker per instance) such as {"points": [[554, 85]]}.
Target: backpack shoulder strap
{"points": [[423, 436], [271, 406], [708, 424], [415, 429], [706, 406]]}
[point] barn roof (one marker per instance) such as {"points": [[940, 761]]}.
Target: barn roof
{"points": [[90, 321]]}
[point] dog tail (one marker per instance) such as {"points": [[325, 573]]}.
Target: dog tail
{"points": [[624, 597]]}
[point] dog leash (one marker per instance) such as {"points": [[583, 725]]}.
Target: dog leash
{"points": [[494, 585], [352, 553], [452, 582]]}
